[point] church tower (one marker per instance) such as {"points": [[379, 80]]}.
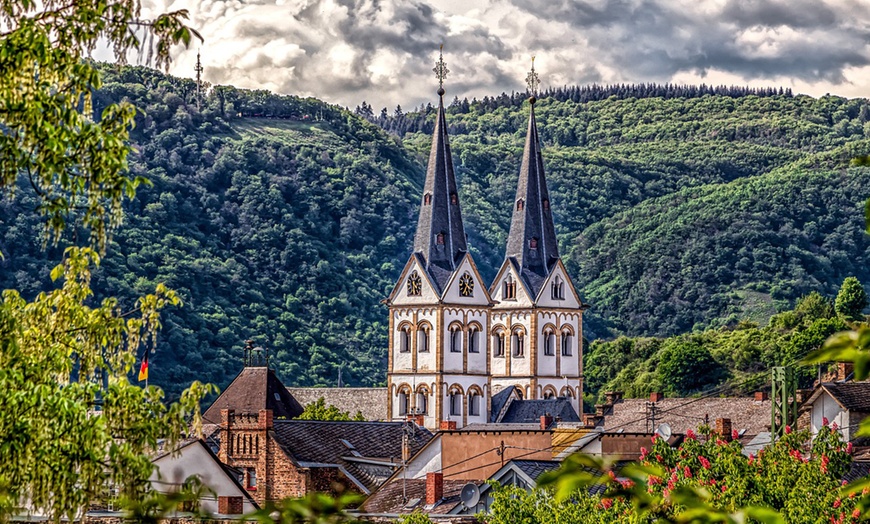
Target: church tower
{"points": [[439, 308], [536, 334]]}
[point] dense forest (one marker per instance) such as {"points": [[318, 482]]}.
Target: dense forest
{"points": [[286, 220]]}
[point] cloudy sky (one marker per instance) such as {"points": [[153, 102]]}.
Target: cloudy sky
{"points": [[382, 51]]}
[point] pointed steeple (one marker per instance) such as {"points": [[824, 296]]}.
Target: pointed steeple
{"points": [[440, 237], [532, 238]]}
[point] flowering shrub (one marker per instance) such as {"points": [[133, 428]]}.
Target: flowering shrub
{"points": [[705, 479]]}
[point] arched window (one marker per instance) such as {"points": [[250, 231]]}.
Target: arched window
{"points": [[404, 402], [427, 199], [567, 342], [454, 199], [520, 204], [549, 343], [557, 289], [518, 343], [533, 243], [405, 339], [545, 204], [498, 343], [456, 403], [423, 339], [422, 402], [455, 339], [473, 345], [473, 404], [510, 288], [439, 239]]}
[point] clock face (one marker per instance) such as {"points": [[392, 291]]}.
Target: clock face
{"points": [[466, 285], [415, 284]]}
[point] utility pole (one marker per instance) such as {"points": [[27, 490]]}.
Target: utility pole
{"points": [[783, 400], [651, 416]]}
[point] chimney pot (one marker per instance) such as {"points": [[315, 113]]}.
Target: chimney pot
{"points": [[434, 487], [448, 425], [416, 419], [546, 420], [844, 369], [227, 417], [265, 419], [761, 396], [657, 396], [723, 428]]}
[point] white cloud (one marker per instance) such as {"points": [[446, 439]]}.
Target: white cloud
{"points": [[381, 51]]}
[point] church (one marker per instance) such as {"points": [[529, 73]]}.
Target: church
{"points": [[455, 340]]}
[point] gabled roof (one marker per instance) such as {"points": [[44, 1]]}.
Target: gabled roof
{"points": [[853, 396], [534, 468], [367, 452], [254, 389], [531, 411], [532, 221], [388, 499], [683, 414], [439, 209], [500, 401]]}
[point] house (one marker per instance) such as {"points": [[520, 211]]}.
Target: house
{"points": [[194, 458], [845, 404], [509, 407], [291, 458]]}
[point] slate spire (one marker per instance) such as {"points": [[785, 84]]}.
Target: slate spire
{"points": [[440, 237], [532, 238]]}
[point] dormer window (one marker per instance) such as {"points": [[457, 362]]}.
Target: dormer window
{"points": [[439, 239], [427, 199], [454, 199], [533, 243], [520, 204], [510, 289], [545, 204]]}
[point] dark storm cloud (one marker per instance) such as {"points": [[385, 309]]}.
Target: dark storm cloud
{"points": [[756, 39]]}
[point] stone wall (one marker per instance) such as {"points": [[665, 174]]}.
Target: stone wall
{"points": [[371, 402]]}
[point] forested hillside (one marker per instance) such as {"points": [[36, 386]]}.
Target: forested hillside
{"points": [[286, 220]]}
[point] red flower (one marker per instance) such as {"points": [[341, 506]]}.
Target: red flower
{"points": [[849, 448], [837, 503], [690, 435], [787, 429], [834, 426], [856, 513], [724, 488], [643, 453], [687, 472], [607, 503], [734, 434], [704, 462], [824, 421]]}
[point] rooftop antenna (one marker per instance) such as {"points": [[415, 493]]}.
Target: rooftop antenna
{"points": [[198, 70]]}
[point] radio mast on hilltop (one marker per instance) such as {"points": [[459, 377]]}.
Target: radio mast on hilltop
{"points": [[198, 70]]}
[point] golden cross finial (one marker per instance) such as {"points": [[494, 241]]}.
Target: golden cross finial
{"points": [[441, 70], [532, 80]]}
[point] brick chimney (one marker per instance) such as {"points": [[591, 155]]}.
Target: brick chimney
{"points": [[723, 428], [416, 419], [658, 396], [448, 425], [546, 421], [844, 369], [265, 419], [230, 505], [761, 396], [434, 487]]}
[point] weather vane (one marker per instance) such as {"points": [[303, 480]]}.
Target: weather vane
{"points": [[441, 70], [532, 80]]}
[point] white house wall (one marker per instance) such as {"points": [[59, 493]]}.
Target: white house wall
{"points": [[171, 470]]}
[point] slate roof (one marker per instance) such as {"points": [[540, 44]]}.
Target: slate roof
{"points": [[854, 396], [535, 468], [533, 219], [857, 470], [529, 411], [499, 401], [389, 499], [253, 389], [683, 414], [371, 402], [367, 451], [441, 215]]}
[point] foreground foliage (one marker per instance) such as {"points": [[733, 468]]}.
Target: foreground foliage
{"points": [[703, 480], [71, 425]]}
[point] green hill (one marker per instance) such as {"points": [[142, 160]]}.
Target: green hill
{"points": [[287, 220]]}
